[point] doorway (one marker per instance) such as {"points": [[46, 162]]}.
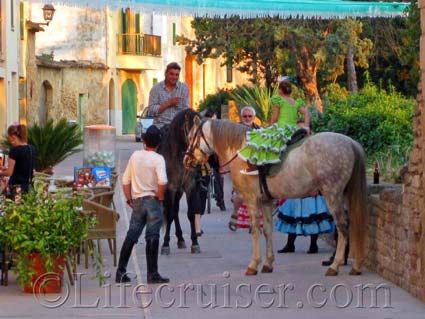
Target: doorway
{"points": [[129, 105]]}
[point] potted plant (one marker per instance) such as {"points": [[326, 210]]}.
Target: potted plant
{"points": [[40, 230]]}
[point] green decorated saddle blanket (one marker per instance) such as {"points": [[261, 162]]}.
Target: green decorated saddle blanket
{"points": [[273, 169]]}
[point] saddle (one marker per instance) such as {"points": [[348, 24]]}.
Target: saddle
{"points": [[270, 170]]}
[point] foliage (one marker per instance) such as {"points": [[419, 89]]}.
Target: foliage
{"points": [[349, 49], [215, 101], [52, 142], [43, 224], [395, 54], [257, 97], [410, 48], [247, 44], [389, 161], [377, 119], [266, 47]]}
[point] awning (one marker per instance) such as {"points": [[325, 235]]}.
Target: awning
{"points": [[250, 8]]}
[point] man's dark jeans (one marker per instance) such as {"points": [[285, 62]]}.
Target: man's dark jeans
{"points": [[147, 211]]}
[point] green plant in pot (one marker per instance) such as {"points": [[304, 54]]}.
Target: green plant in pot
{"points": [[43, 226]]}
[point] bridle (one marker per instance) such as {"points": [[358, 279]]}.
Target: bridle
{"points": [[196, 142]]}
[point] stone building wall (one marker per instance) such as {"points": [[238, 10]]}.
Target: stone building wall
{"points": [[394, 244], [396, 235], [67, 80]]}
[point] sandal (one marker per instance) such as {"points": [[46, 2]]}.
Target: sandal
{"points": [[232, 227]]}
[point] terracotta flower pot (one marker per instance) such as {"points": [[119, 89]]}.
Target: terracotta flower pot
{"points": [[43, 282]]}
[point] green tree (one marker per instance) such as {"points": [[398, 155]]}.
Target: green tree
{"points": [[266, 47], [304, 50], [411, 36], [323, 47], [349, 50], [247, 44]]}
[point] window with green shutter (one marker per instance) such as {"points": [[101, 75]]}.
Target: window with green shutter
{"points": [[174, 34], [21, 20]]}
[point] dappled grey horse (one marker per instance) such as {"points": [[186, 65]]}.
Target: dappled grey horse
{"points": [[331, 163]]}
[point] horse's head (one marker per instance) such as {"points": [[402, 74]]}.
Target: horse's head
{"points": [[199, 148]]}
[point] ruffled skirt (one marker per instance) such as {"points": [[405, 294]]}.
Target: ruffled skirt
{"points": [[244, 220], [264, 145], [305, 216]]}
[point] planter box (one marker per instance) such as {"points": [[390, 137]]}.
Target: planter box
{"points": [[43, 282]]}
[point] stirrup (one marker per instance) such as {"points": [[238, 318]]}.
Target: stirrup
{"points": [[246, 172]]}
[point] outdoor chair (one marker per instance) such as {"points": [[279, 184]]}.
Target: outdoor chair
{"points": [[104, 228], [5, 259], [103, 198]]}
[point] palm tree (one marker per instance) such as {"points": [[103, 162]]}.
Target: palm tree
{"points": [[52, 142], [257, 97]]}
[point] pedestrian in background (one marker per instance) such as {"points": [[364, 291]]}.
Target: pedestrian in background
{"points": [[240, 216], [21, 162]]}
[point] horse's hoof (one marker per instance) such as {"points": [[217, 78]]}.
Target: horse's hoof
{"points": [[181, 244], [251, 272], [165, 250], [331, 272], [355, 272], [195, 249], [266, 269]]}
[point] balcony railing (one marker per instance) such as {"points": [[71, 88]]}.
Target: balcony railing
{"points": [[139, 44]]}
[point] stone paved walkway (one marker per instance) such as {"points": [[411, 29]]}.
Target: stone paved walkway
{"points": [[212, 284]]}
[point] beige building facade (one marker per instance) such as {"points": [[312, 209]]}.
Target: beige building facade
{"points": [[9, 63], [134, 49]]}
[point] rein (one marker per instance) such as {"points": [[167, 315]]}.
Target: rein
{"points": [[228, 162], [199, 134], [196, 141]]}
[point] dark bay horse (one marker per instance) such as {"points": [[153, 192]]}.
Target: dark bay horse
{"points": [[329, 162], [173, 147]]}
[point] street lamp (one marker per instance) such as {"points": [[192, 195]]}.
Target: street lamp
{"points": [[48, 12]]}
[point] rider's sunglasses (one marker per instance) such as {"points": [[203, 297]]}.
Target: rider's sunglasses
{"points": [[246, 116]]}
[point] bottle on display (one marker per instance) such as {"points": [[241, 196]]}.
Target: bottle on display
{"points": [[376, 173]]}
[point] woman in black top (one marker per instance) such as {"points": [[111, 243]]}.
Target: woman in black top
{"points": [[20, 165]]}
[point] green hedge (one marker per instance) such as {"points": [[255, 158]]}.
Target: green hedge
{"points": [[381, 121]]}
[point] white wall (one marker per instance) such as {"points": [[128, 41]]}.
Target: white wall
{"points": [[10, 66], [73, 34]]}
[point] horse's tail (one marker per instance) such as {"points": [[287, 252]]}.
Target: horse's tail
{"points": [[356, 192]]}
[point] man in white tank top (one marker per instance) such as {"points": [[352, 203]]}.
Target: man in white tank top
{"points": [[144, 183]]}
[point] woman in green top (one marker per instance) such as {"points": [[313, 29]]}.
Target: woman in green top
{"points": [[265, 145]]}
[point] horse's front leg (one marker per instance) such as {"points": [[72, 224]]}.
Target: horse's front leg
{"points": [[267, 210], [255, 235], [175, 211], [192, 210], [165, 249]]}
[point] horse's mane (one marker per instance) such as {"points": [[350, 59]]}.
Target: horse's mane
{"points": [[231, 132], [175, 141]]}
